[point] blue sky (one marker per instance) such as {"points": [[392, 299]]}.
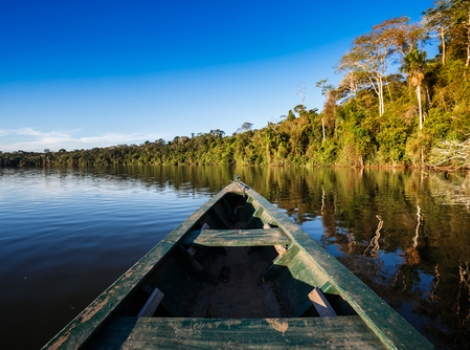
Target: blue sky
{"points": [[83, 74]]}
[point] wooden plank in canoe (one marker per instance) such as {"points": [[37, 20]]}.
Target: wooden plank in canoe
{"points": [[237, 238], [152, 303], [246, 333], [320, 303], [280, 249]]}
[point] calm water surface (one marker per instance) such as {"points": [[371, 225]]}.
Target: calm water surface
{"points": [[67, 234]]}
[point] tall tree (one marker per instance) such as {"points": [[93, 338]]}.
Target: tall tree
{"points": [[414, 64], [461, 15], [329, 110], [438, 18], [370, 56], [350, 85], [402, 35]]}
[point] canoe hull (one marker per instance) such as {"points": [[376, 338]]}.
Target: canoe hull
{"points": [[238, 273]]}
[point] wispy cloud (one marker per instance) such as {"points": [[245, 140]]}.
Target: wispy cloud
{"points": [[30, 140]]}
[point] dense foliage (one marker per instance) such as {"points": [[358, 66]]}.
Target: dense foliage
{"points": [[393, 106]]}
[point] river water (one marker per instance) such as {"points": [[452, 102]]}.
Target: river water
{"points": [[67, 234]]}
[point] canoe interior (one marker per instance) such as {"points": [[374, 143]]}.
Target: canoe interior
{"points": [[246, 281]]}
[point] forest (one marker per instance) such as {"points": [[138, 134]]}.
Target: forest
{"points": [[393, 106]]}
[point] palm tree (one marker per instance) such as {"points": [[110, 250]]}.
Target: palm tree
{"points": [[414, 64]]}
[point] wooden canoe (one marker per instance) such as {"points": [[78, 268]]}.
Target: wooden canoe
{"points": [[238, 274]]}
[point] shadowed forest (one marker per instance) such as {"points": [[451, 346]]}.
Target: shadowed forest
{"points": [[393, 106]]}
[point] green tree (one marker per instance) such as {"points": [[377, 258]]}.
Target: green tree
{"points": [[438, 18], [369, 56], [460, 12], [329, 111], [414, 65]]}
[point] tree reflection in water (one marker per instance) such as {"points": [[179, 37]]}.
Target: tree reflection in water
{"points": [[405, 235]]}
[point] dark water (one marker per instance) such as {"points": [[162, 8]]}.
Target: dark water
{"points": [[67, 234]]}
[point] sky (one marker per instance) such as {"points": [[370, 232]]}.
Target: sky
{"points": [[80, 74]]}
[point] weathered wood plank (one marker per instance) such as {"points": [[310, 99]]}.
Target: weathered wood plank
{"points": [[273, 333], [320, 303], [280, 249], [152, 303], [237, 238]]}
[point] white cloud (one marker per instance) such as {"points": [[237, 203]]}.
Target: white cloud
{"points": [[28, 131], [30, 140]]}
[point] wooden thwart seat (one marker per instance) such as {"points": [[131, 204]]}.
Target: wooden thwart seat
{"points": [[237, 238], [248, 333]]}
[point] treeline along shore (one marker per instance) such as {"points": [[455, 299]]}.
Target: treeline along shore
{"points": [[393, 106]]}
